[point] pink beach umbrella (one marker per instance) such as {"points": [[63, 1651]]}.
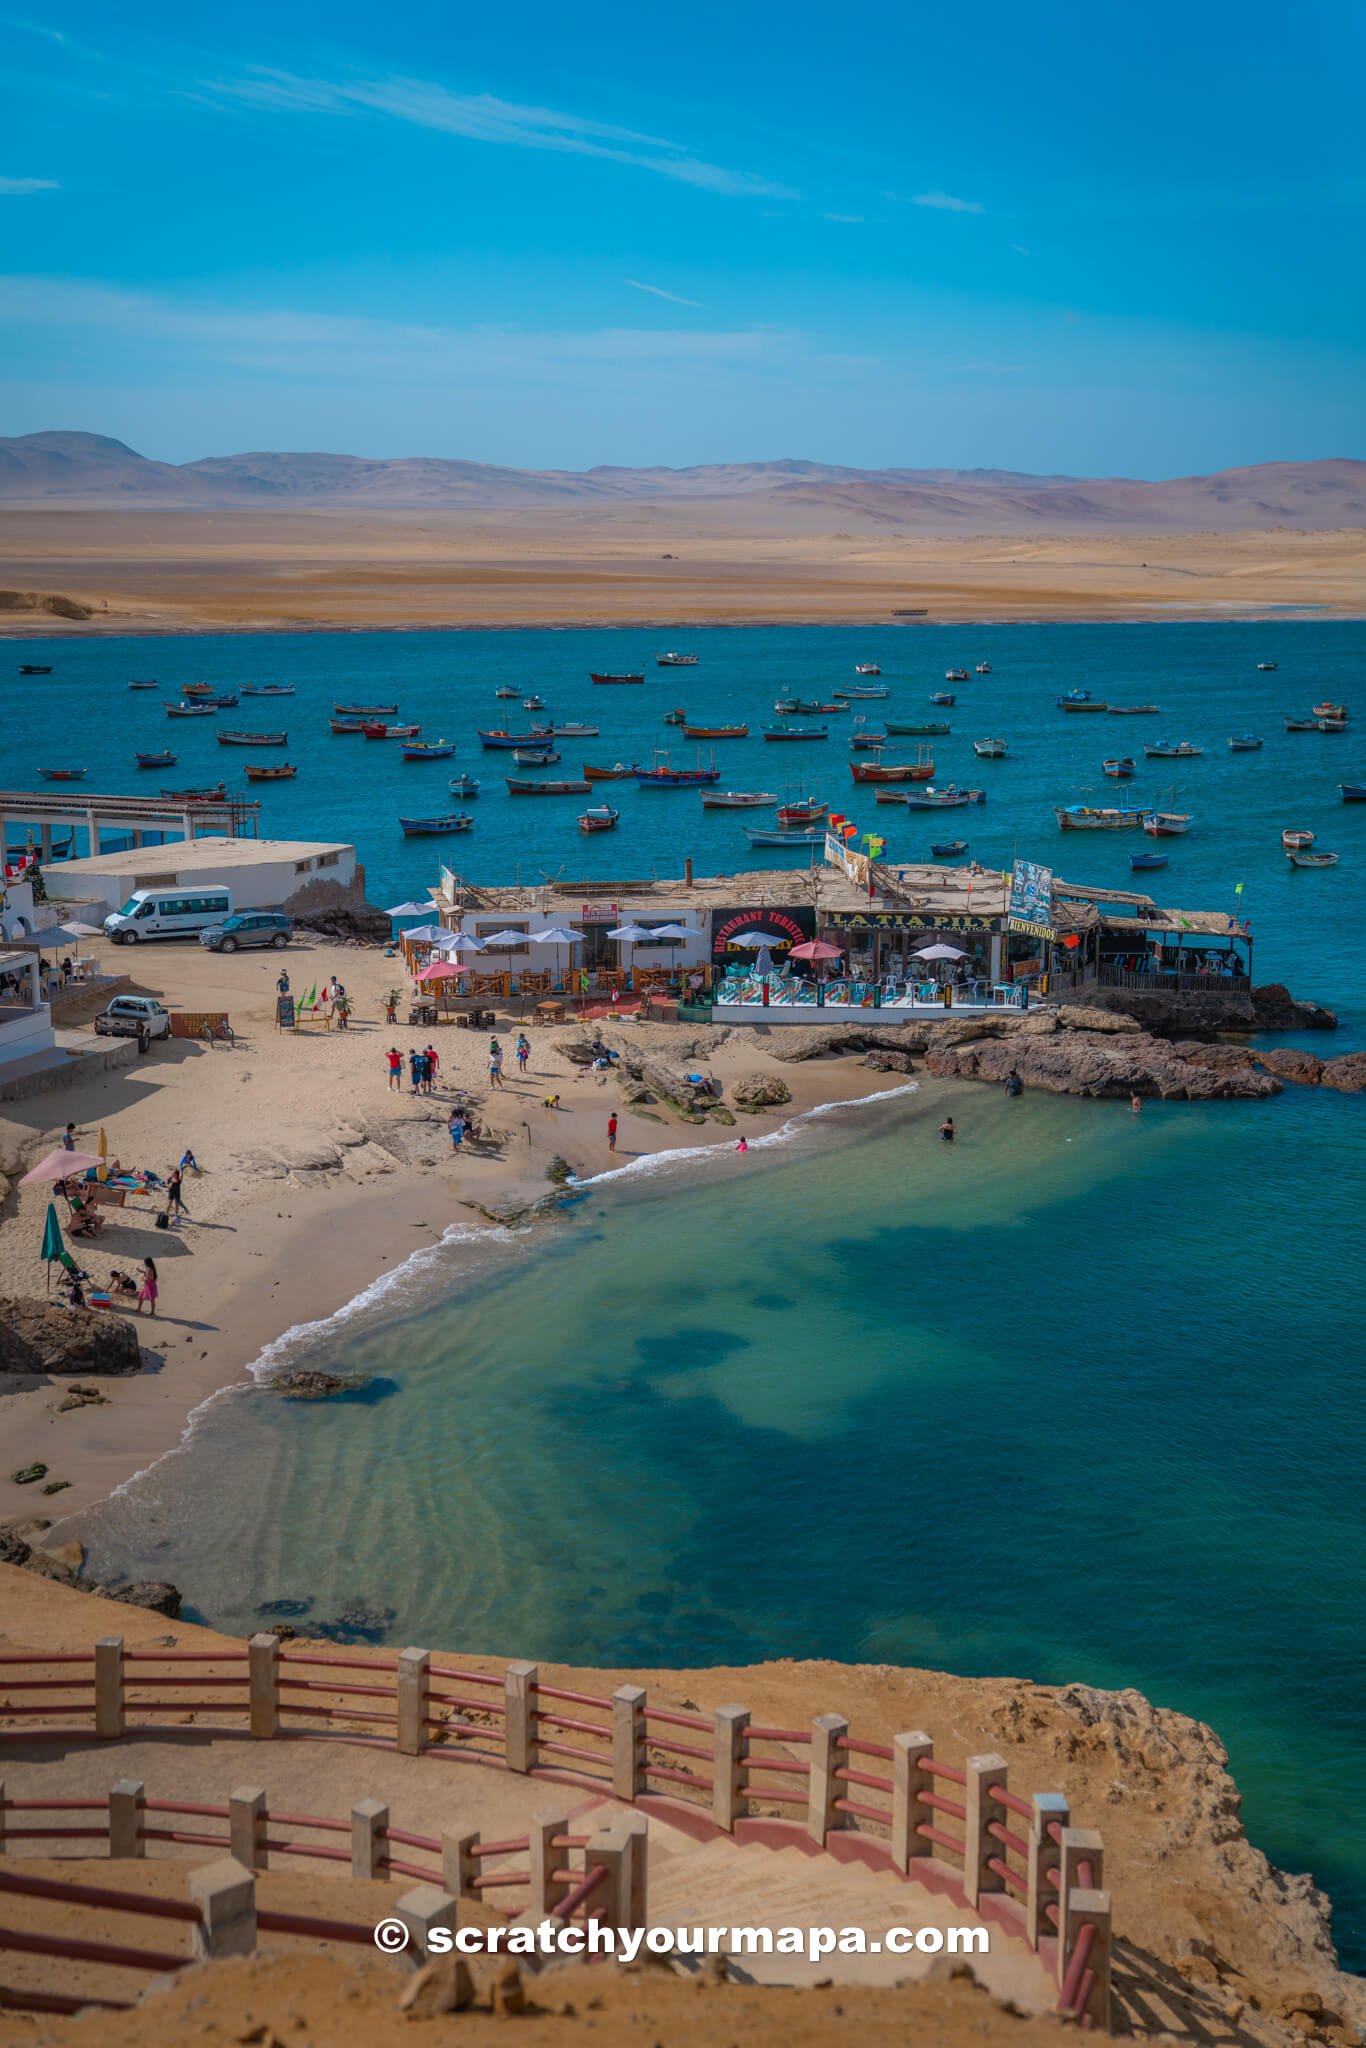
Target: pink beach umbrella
{"points": [[815, 949], [60, 1165], [441, 970]]}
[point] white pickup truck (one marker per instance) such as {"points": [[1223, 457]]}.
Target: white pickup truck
{"points": [[134, 1017]]}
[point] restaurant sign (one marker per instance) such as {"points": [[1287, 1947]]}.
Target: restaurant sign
{"points": [[598, 913], [783, 927], [1031, 900], [871, 921]]}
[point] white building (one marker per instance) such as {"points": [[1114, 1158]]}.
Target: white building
{"points": [[28, 1043], [263, 874]]}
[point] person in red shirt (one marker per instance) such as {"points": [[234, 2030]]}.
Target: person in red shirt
{"points": [[612, 1132], [395, 1068], [432, 1064]]}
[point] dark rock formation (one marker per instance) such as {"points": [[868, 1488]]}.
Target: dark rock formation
{"points": [[1103, 1063], [888, 1062], [1348, 1073], [13, 1549], [1289, 1063], [1276, 1009], [1077, 1017], [40, 1337], [311, 1385], [158, 1594], [760, 1091]]}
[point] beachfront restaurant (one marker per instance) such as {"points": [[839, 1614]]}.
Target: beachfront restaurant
{"points": [[1124, 939]]}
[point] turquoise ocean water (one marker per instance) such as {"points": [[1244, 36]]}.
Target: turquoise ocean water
{"points": [[1080, 1398]]}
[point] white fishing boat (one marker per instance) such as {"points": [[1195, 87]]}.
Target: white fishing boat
{"points": [[737, 799], [990, 750]]}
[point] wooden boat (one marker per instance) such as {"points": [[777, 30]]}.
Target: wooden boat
{"points": [[879, 771], [889, 796], [533, 703], [1297, 840], [1331, 724], [1171, 750], [866, 668], [428, 750], [391, 732], [222, 703], [944, 698], [1243, 743], [431, 828], [252, 739], [166, 760], [806, 707], [34, 668], [805, 812], [199, 690], [1167, 824], [618, 772], [616, 679], [861, 739], [796, 732], [1267, 666], [676, 717], [1300, 724], [602, 818], [534, 757], [932, 729], [518, 788], [197, 796], [716, 732], [990, 750], [663, 775], [347, 724], [984, 668], [1352, 792], [1330, 711], [1087, 703], [191, 710], [955, 675], [1120, 769], [491, 740], [365, 710], [285, 772], [1097, 818], [1312, 860], [858, 694], [573, 732], [463, 785], [1146, 862], [950, 799], [152, 685], [268, 689], [801, 835], [1133, 710], [736, 799], [506, 691], [948, 849], [63, 774], [677, 660]]}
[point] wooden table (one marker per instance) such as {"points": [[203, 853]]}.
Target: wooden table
{"points": [[550, 1013]]}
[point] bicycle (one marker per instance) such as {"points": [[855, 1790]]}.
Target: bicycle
{"points": [[210, 1031]]}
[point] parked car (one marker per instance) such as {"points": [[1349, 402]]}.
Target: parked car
{"points": [[248, 928], [134, 1017]]}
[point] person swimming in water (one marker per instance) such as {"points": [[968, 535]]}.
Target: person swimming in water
{"points": [[948, 1130]]}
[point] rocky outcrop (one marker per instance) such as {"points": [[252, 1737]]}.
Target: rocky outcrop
{"points": [[157, 1594], [1104, 1063], [52, 602], [40, 1337], [889, 1062], [760, 1091], [1188, 1013], [1348, 1073], [1075, 1017], [1289, 1063], [1275, 1009], [309, 1385]]}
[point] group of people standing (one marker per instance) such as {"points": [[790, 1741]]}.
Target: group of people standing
{"points": [[422, 1069]]}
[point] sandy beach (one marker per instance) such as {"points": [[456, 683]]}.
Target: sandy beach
{"points": [[150, 571], [317, 1178]]}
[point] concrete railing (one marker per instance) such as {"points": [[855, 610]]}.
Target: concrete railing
{"points": [[1014, 1859]]}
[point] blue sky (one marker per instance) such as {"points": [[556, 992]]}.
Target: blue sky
{"points": [[1100, 239]]}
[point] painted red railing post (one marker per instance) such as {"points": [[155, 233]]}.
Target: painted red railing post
{"points": [[460, 1862], [127, 1801], [1086, 1979], [978, 1846], [519, 1728], [263, 1685], [546, 1859], [823, 1787], [730, 1725], [247, 1827], [369, 1819], [628, 1740], [411, 1688], [225, 1894], [420, 1910], [909, 1784], [1081, 1865], [109, 1706], [1051, 1810]]}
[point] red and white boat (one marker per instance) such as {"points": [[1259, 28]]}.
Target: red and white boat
{"points": [[391, 732], [1166, 824]]}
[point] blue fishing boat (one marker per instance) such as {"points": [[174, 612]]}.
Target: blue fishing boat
{"points": [[427, 750], [1144, 862], [426, 828], [1352, 792], [805, 835], [949, 850], [463, 785], [166, 760], [538, 737], [1244, 743], [942, 697], [796, 732]]}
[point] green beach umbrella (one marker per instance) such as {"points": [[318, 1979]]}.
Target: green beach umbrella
{"points": [[53, 1247]]}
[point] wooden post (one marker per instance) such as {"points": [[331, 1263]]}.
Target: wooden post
{"points": [[369, 1819], [263, 1683], [411, 1689], [729, 1729], [978, 1846], [109, 1703], [519, 1728], [909, 1785], [225, 1894], [460, 1862], [1090, 1909], [420, 1910], [247, 1827], [125, 1818], [1045, 1855], [545, 1860], [823, 1787], [628, 1741]]}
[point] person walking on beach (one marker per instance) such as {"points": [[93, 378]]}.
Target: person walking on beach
{"points": [[496, 1065], [69, 1138], [523, 1051], [395, 1059], [433, 1062], [948, 1130], [456, 1126], [173, 1197], [612, 1132], [414, 1071], [148, 1290]]}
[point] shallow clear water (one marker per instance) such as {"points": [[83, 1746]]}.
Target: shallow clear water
{"points": [[1080, 1398]]}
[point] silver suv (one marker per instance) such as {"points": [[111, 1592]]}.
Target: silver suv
{"points": [[248, 928]]}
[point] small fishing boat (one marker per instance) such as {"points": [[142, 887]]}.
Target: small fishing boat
{"points": [[268, 689], [736, 799], [866, 668], [861, 738], [574, 732], [534, 757], [943, 697], [365, 710], [601, 818], [933, 729], [1097, 818], [675, 661], [63, 774], [806, 811], [1267, 666], [1086, 703], [801, 835], [166, 760], [34, 668], [860, 694], [1331, 724], [1171, 750], [197, 796], [252, 739], [1352, 792], [620, 771], [347, 724], [879, 771], [1167, 824], [1300, 724], [152, 685], [955, 675], [807, 707], [199, 690], [391, 732], [950, 799], [716, 732], [663, 775], [222, 703], [431, 828], [1312, 860], [1296, 840], [990, 750], [889, 796], [796, 732], [1133, 710], [508, 740], [984, 668], [463, 785], [1243, 743], [620, 679], [428, 750], [1119, 769], [1330, 711], [518, 788], [1146, 862], [506, 691], [533, 703], [191, 710], [676, 717], [949, 849], [285, 772]]}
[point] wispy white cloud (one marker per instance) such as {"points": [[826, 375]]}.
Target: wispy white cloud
{"points": [[14, 188], [1019, 250], [480, 117], [848, 220], [945, 202], [658, 292]]}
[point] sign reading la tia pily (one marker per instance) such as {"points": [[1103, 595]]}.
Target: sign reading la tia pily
{"points": [[907, 921], [781, 927]]}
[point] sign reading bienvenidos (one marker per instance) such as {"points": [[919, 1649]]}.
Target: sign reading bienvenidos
{"points": [[1031, 900]]}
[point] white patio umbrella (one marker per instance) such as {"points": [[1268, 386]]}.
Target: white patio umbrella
{"points": [[459, 942], [676, 931], [503, 942], [426, 934], [408, 910], [756, 939], [631, 935], [557, 936], [939, 953]]}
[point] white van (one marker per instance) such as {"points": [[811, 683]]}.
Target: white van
{"points": [[168, 914]]}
